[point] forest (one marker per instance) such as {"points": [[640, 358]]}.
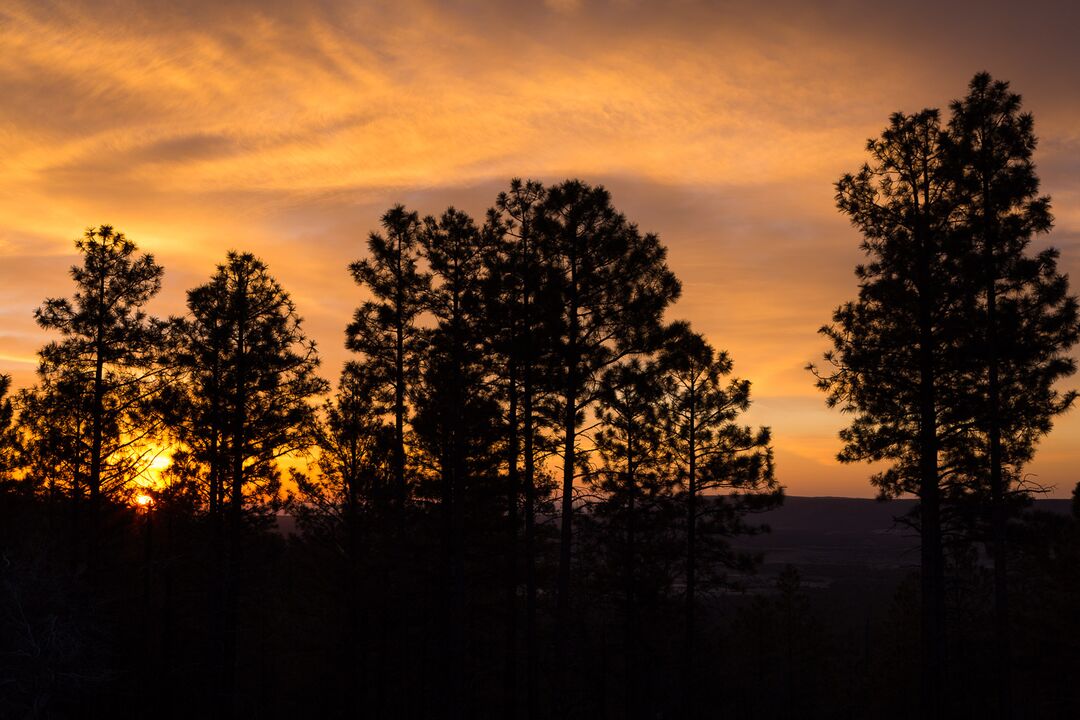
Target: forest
{"points": [[523, 495]]}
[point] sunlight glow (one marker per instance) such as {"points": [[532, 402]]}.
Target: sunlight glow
{"points": [[151, 478], [721, 126]]}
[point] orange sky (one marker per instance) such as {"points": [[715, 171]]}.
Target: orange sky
{"points": [[286, 130]]}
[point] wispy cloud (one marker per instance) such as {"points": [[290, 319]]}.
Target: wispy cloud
{"points": [[286, 128]]}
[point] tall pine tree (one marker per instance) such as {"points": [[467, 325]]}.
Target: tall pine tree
{"points": [[251, 383], [724, 470], [1026, 321], [457, 414], [8, 433], [518, 340], [899, 360], [634, 509], [608, 285], [385, 329], [341, 503], [386, 333], [107, 355]]}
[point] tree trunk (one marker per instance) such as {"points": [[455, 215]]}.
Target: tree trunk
{"points": [[97, 421], [353, 699], [215, 441], [689, 662], [512, 492], [630, 637], [932, 552], [399, 425], [236, 501], [565, 538], [999, 512], [570, 399], [455, 494], [531, 664]]}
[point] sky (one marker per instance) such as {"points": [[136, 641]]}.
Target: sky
{"points": [[286, 129]]}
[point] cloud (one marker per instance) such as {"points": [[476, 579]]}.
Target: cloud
{"points": [[564, 6], [286, 128]]}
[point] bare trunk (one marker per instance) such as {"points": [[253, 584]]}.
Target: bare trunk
{"points": [[96, 423], [531, 665], [630, 637], [215, 441], [570, 400], [512, 492], [236, 501], [399, 426], [565, 539], [455, 480], [998, 509], [689, 661], [932, 551], [353, 652]]}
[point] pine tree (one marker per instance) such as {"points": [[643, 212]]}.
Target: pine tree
{"points": [[725, 470], [1026, 319], [899, 361], [634, 509], [456, 413], [352, 471], [518, 341], [107, 356], [53, 429], [608, 285], [341, 503], [8, 433], [385, 329], [386, 333], [250, 376]]}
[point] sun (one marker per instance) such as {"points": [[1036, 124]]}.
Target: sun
{"points": [[150, 480]]}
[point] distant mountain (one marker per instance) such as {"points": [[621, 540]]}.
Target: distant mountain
{"points": [[851, 546], [845, 531], [834, 529], [848, 549]]}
